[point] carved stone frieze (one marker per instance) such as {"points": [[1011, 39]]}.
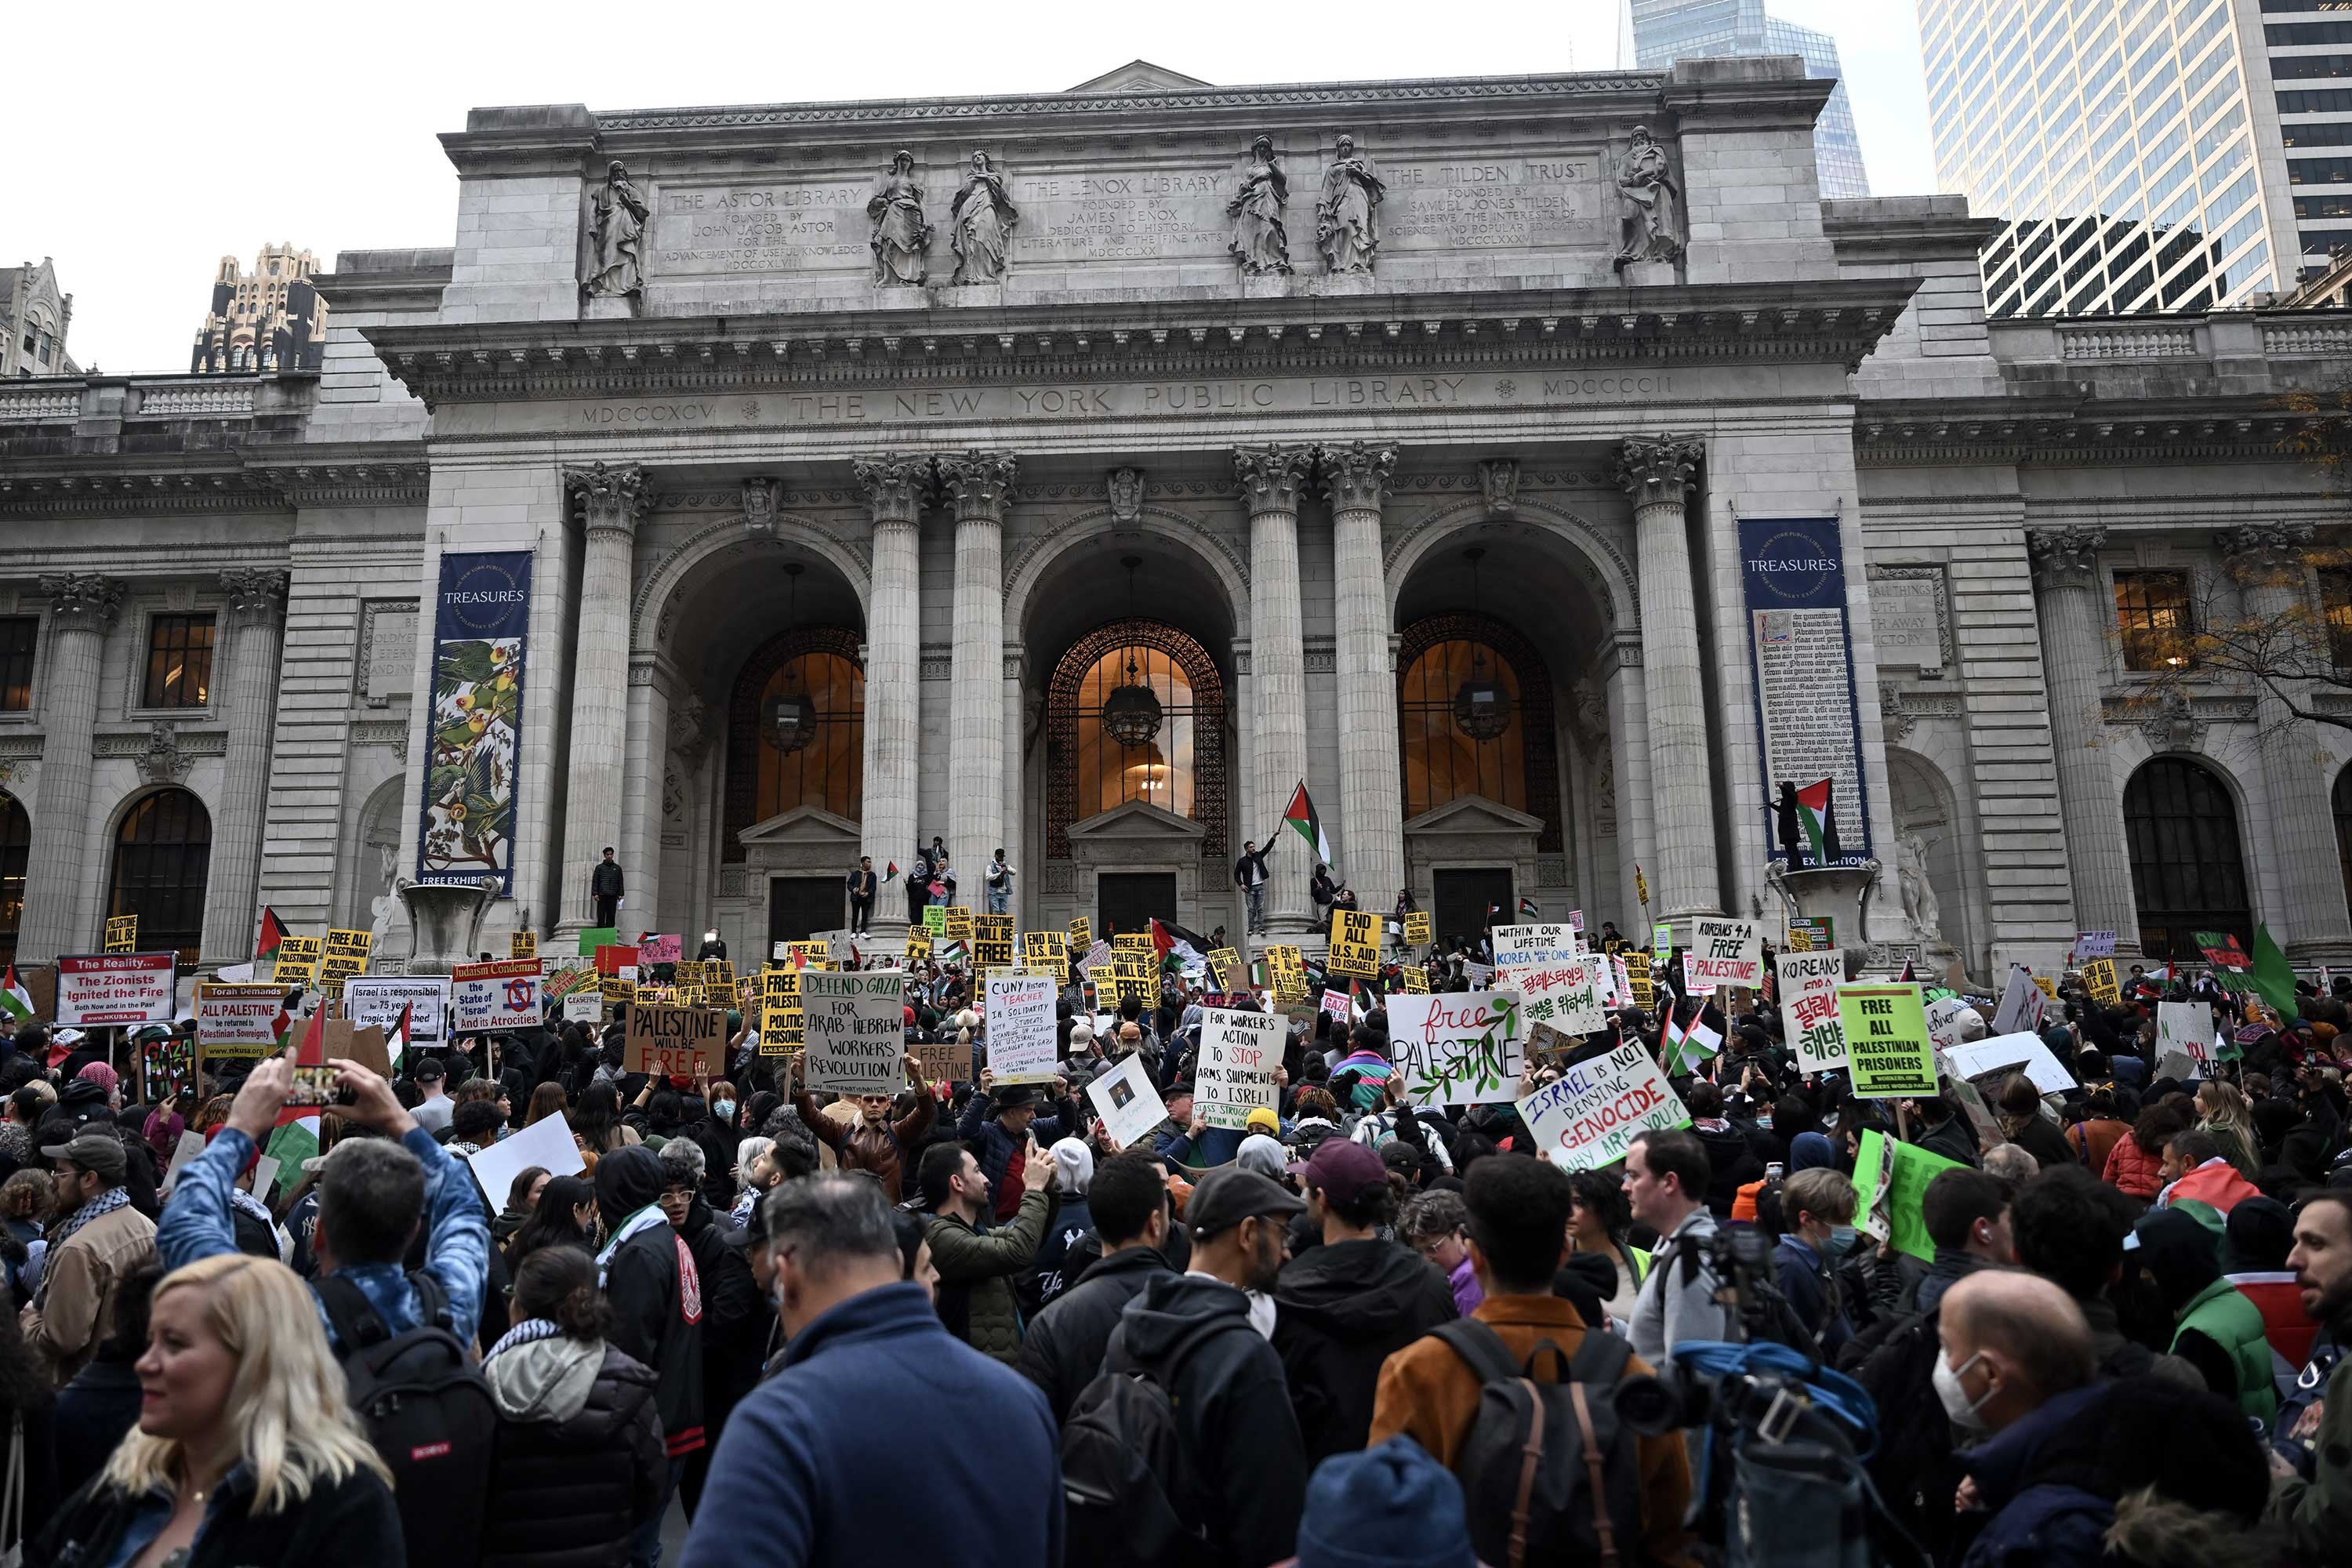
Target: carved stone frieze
{"points": [[2066, 557]]}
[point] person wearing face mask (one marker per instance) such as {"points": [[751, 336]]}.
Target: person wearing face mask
{"points": [[1814, 1204]]}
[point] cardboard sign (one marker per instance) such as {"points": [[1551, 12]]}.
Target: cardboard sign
{"points": [[667, 948], [546, 1142], [1234, 1074], [1021, 1043], [1418, 931], [500, 996], [522, 944], [1566, 997], [1638, 981], [855, 1025], [123, 933], [2021, 1004], [1046, 950], [296, 960], [678, 1041], [1081, 935], [346, 955], [238, 1020], [1225, 963], [1129, 1104], [1971, 1100], [117, 988], [1887, 1049], [2099, 979], [1415, 977], [1592, 1114], [2022, 1050], [1458, 1048], [2185, 1027], [944, 1061], [1809, 1007], [2094, 944], [958, 927], [1725, 953], [1355, 944]]}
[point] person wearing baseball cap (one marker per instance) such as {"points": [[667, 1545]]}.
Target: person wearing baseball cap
{"points": [[104, 1239], [1233, 1404], [1346, 1306]]}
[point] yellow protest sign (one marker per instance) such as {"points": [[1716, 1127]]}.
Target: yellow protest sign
{"points": [[123, 933], [992, 942], [2099, 976], [522, 944], [297, 960], [1355, 944], [614, 989], [1417, 933], [1081, 935], [2048, 986], [1046, 950], [345, 956], [919, 944], [780, 1019], [958, 923], [1416, 979], [1286, 967], [1226, 965], [1637, 975]]}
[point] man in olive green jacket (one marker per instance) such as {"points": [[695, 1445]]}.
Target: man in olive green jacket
{"points": [[2317, 1513], [976, 1267]]}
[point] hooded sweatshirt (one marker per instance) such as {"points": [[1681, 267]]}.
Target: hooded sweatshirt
{"points": [[1342, 1309], [654, 1289], [544, 1380]]}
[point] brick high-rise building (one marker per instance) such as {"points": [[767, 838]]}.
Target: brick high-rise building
{"points": [[268, 319]]}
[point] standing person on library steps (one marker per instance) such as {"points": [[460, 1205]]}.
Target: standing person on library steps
{"points": [[604, 890], [1250, 875], [863, 885]]}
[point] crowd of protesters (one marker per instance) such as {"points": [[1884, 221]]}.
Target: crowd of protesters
{"points": [[958, 1323]]}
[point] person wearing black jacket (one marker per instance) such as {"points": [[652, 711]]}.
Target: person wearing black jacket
{"points": [[1347, 1305], [1250, 875], [863, 885], [656, 1296], [734, 1329], [1063, 1350]]}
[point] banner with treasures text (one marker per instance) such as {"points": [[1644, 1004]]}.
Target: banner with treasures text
{"points": [[481, 616]]}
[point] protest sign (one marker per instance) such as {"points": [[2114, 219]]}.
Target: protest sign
{"points": [[1637, 977], [992, 942], [1234, 1074], [2022, 1050], [1566, 997], [1355, 944], [678, 1041], [583, 1007], [1592, 1113], [1662, 937], [1576, 921], [190, 1145], [935, 920], [296, 960], [1225, 963], [1555, 943], [377, 1000], [1415, 978], [780, 1012], [2094, 944], [522, 944], [661, 948], [546, 1142], [1286, 967], [1812, 933], [1891, 1179], [1458, 1047], [1809, 1007], [117, 988], [615, 989], [123, 933], [1887, 1049], [498, 995], [238, 1020], [1335, 1003], [1046, 950], [594, 937], [1081, 935], [1971, 1100], [1417, 931], [2099, 979], [611, 959], [2022, 1002], [344, 957], [1128, 1103], [855, 1025], [1944, 1015], [918, 945], [1021, 1044], [2185, 1027], [958, 923], [265, 1176], [944, 1061], [1725, 953]]}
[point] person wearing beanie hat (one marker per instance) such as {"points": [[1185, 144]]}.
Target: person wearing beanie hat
{"points": [[2255, 1240], [1261, 1152], [1074, 1174], [1389, 1507]]}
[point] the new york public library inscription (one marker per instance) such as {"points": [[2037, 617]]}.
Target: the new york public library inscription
{"points": [[1112, 214]]}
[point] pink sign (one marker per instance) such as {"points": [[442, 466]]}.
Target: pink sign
{"points": [[661, 949]]}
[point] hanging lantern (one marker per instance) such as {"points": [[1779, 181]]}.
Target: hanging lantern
{"points": [[1132, 714], [1482, 709], [788, 722]]}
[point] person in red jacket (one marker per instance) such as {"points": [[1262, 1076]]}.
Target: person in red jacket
{"points": [[2255, 1240], [2135, 1164]]}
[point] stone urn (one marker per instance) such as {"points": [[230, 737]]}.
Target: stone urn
{"points": [[446, 919], [1841, 892]]}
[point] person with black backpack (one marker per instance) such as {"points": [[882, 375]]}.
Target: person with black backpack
{"points": [[1523, 1369], [402, 1336]]}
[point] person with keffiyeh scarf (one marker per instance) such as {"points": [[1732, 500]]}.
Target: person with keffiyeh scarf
{"points": [[649, 1277], [101, 1240]]}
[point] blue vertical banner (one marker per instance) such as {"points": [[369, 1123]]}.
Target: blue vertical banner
{"points": [[1801, 652], [480, 618]]}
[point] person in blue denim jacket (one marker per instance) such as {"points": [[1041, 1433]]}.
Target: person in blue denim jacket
{"points": [[373, 1193]]}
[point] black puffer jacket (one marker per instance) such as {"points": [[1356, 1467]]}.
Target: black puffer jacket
{"points": [[1345, 1307], [352, 1524], [567, 1493], [1063, 1350]]}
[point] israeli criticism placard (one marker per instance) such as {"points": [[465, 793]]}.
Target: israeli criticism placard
{"points": [[376, 1001], [1809, 727], [503, 994], [1234, 1074], [1458, 1047], [1590, 1115], [117, 988], [1724, 953], [481, 613], [854, 1023]]}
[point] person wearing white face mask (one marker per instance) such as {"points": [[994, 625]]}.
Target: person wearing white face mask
{"points": [[2016, 1365]]}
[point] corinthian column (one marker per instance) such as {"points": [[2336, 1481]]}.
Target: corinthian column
{"points": [[977, 486], [610, 499], [1371, 808], [82, 610], [257, 618], [894, 487], [1658, 474], [2074, 658], [1272, 478], [2266, 561]]}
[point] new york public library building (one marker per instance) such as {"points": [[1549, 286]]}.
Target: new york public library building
{"points": [[1534, 465]]}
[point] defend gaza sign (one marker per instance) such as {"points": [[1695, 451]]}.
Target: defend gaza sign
{"points": [[853, 1026]]}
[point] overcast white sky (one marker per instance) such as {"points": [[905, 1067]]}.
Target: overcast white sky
{"points": [[154, 138]]}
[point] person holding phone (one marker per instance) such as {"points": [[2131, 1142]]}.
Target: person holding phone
{"points": [[977, 1262]]}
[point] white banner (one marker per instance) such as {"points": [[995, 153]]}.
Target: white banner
{"points": [[1589, 1116], [2022, 1050], [1809, 1007], [1571, 997], [377, 999], [1459, 1048], [1724, 953], [2185, 1027], [117, 988], [546, 1142], [1020, 1020], [1537, 944], [1234, 1074], [238, 1020], [1128, 1103], [853, 1028], [500, 995], [2021, 1004]]}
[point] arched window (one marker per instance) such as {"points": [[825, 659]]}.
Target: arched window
{"points": [[2342, 797], [1179, 766], [163, 854], [796, 730], [16, 844], [2188, 874], [1447, 749]]}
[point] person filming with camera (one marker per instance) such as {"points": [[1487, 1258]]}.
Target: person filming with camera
{"points": [[1666, 1176]]}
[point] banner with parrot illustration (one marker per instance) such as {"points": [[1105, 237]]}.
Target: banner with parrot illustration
{"points": [[481, 620]]}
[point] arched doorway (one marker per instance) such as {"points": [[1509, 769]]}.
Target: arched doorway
{"points": [[163, 857], [2188, 873], [15, 844]]}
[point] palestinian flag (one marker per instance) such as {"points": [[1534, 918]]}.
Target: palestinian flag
{"points": [[1301, 816], [890, 874], [1527, 909], [1685, 1045], [397, 1047], [1175, 944], [1909, 973], [296, 1138], [1813, 810], [14, 1000], [273, 932]]}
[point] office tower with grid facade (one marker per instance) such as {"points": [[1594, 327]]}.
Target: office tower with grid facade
{"points": [[1664, 31], [2148, 155]]}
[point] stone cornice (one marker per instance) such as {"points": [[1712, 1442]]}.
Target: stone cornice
{"points": [[1835, 321], [2053, 433], [275, 479]]}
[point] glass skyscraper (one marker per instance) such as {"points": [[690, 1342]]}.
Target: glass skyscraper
{"points": [[2147, 155], [1664, 31]]}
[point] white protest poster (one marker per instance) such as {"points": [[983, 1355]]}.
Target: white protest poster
{"points": [[2023, 1050], [1021, 1026], [2185, 1027], [1809, 1007], [1591, 1114], [503, 994], [1724, 953], [2021, 1004], [1234, 1074], [1944, 1024], [1568, 996], [854, 1030], [376, 1001], [265, 1176], [1972, 1101], [190, 1145], [117, 988], [583, 1007], [1535, 944], [1458, 1047], [546, 1142], [1128, 1103]]}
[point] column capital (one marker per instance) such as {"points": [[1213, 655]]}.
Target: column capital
{"points": [[257, 595], [1272, 477], [977, 485], [895, 485], [2066, 557], [610, 497], [1356, 476], [1658, 470], [83, 601], [2264, 552]]}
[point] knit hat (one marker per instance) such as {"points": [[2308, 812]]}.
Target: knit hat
{"points": [[100, 1074], [1074, 1164], [2257, 1237], [1392, 1504], [1261, 1119], [1810, 1151], [1262, 1154]]}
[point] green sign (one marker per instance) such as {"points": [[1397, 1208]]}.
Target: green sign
{"points": [[935, 919], [1887, 1048], [1891, 1177], [1662, 936], [594, 937]]}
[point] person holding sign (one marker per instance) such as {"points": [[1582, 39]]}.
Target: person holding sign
{"points": [[875, 1142], [1002, 1125], [976, 1266]]}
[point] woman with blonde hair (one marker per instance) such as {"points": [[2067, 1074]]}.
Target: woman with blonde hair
{"points": [[246, 1449], [2223, 1115]]}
